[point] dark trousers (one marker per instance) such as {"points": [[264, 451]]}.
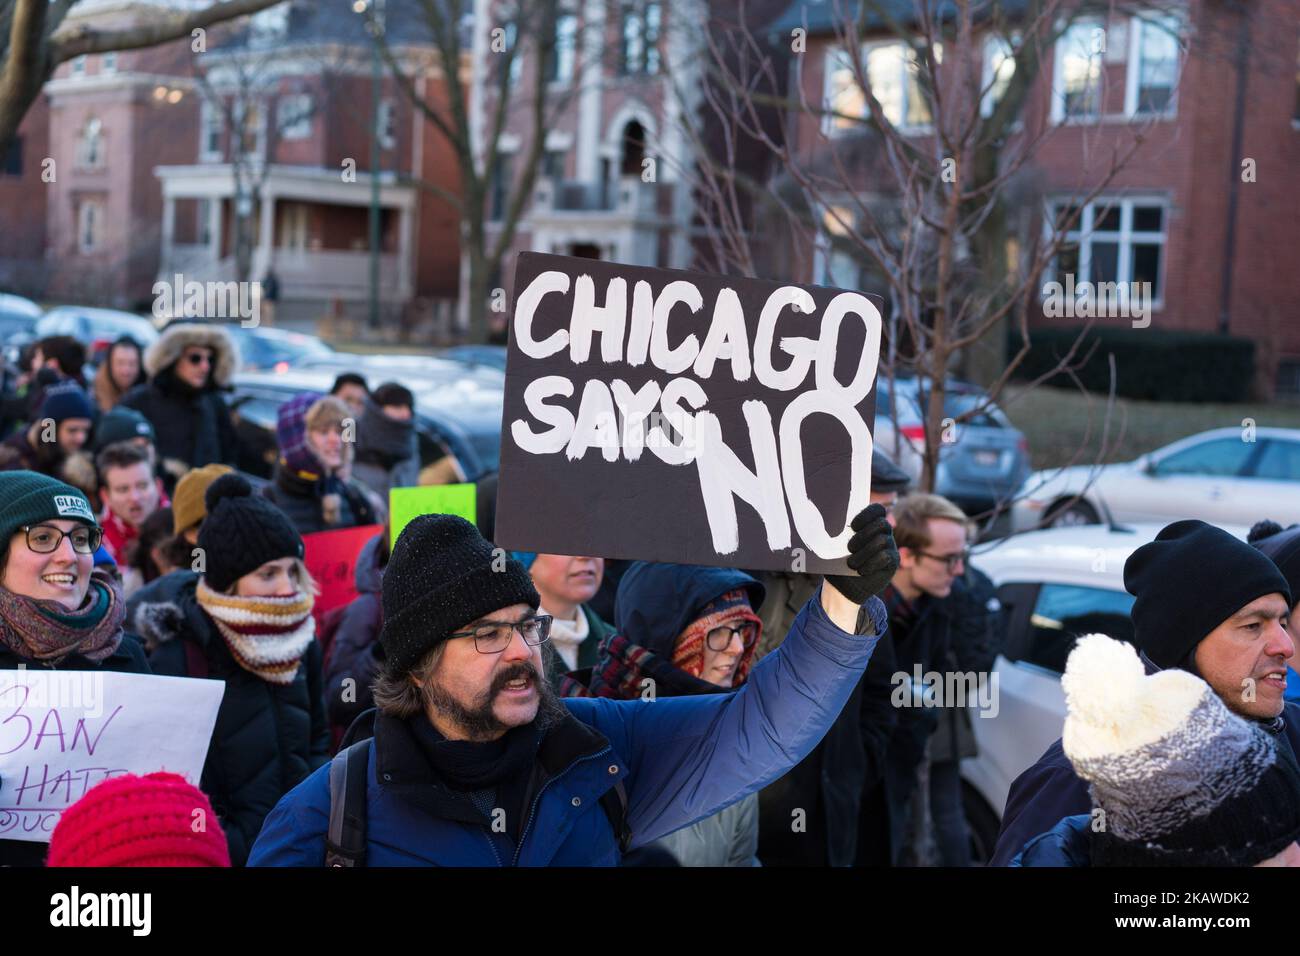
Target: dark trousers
{"points": [[951, 835]]}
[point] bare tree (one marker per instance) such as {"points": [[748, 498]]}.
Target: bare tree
{"points": [[950, 162], [32, 44], [517, 49]]}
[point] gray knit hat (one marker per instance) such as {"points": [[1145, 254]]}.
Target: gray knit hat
{"points": [[1180, 779]]}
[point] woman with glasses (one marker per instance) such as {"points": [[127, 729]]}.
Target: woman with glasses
{"points": [[245, 619], [57, 611], [681, 631]]}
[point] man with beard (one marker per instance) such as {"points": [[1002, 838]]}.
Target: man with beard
{"points": [[1208, 604], [473, 761], [54, 438]]}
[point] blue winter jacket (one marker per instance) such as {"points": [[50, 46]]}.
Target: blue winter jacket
{"points": [[680, 759], [1066, 844]]}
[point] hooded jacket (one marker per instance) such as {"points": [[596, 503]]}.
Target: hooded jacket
{"points": [[656, 603], [680, 759], [192, 428], [267, 737]]}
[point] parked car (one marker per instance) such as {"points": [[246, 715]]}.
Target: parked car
{"points": [[277, 349], [97, 329], [493, 355], [18, 317], [1221, 476], [985, 463], [456, 412], [1056, 586]]}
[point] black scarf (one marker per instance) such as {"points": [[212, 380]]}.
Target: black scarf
{"points": [[381, 440], [470, 765]]}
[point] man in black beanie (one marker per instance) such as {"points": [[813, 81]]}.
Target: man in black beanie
{"points": [[473, 762], [1206, 603]]}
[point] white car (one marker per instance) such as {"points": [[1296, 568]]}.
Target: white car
{"points": [[1056, 586], [1223, 476]]}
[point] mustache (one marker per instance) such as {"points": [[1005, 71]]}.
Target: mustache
{"points": [[516, 671]]}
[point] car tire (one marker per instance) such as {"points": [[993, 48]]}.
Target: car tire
{"points": [[982, 822], [1071, 513]]}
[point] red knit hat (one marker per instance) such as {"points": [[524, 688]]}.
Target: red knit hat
{"points": [[140, 821]]}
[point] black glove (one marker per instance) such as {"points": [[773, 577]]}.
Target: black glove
{"points": [[872, 553]]}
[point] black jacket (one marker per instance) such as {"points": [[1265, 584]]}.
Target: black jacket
{"points": [[1050, 790], [267, 738], [127, 659], [827, 784], [191, 428], [302, 502]]}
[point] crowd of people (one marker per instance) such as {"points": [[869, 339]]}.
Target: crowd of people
{"points": [[545, 709]]}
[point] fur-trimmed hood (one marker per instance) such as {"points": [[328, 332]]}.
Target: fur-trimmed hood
{"points": [[172, 345], [166, 610]]}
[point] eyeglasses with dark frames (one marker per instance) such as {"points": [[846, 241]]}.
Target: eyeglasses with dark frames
{"points": [[493, 637], [719, 639], [950, 561], [46, 539]]}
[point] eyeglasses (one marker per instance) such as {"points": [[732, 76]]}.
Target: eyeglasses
{"points": [[199, 358], [719, 639], [950, 561], [45, 539], [493, 637]]}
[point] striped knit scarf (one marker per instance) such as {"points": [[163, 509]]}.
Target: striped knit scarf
{"points": [[267, 636], [46, 631]]}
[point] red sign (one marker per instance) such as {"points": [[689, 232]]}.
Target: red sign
{"points": [[331, 557]]}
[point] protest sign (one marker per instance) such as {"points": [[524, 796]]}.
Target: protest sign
{"points": [[675, 416], [62, 732], [407, 503], [331, 558]]}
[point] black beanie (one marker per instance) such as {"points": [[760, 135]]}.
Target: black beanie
{"points": [[1283, 547], [1188, 581], [242, 532], [439, 579]]}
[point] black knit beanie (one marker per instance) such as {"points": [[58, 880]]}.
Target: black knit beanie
{"points": [[1283, 547], [242, 532], [1188, 581], [440, 578]]}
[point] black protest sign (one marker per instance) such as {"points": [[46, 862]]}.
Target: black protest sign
{"points": [[675, 416]]}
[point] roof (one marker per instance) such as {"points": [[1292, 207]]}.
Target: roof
{"points": [[1089, 555], [334, 21]]}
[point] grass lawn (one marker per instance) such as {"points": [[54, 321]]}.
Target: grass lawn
{"points": [[1060, 422]]}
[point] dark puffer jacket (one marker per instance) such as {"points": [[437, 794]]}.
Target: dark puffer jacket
{"points": [[192, 428], [268, 737], [302, 501], [127, 659]]}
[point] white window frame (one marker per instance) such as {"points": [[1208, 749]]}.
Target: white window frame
{"points": [[566, 48], [79, 65], [90, 215], [294, 116], [211, 119], [1133, 71], [108, 63], [837, 53], [84, 159], [1084, 234], [1058, 115], [994, 43]]}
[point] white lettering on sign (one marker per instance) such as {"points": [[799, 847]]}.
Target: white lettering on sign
{"points": [[680, 334]]}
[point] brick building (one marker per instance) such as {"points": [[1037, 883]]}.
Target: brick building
{"points": [[1216, 238]]}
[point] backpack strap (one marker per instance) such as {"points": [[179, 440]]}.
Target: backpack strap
{"points": [[345, 841], [614, 803]]}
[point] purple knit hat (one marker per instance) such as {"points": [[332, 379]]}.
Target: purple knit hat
{"points": [[291, 434]]}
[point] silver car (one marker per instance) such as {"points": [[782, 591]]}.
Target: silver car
{"points": [[981, 461]]}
